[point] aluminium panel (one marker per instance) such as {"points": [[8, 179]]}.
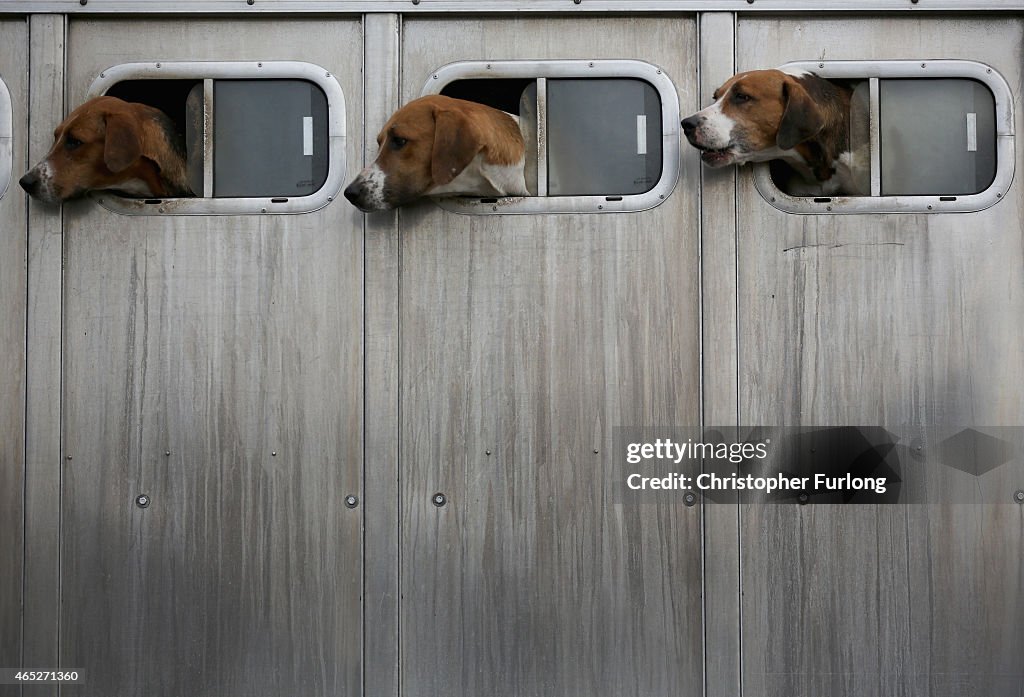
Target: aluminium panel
{"points": [[898, 321], [524, 341], [431, 7], [214, 364], [14, 90]]}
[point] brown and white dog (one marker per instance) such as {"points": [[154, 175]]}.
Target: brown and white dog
{"points": [[793, 116], [108, 143], [440, 146]]}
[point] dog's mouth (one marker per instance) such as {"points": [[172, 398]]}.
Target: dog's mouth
{"points": [[715, 157]]}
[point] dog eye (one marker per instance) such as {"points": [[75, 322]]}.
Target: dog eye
{"points": [[741, 98], [71, 143], [398, 143]]}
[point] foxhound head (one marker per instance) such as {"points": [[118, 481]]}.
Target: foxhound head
{"points": [[108, 143], [440, 146]]}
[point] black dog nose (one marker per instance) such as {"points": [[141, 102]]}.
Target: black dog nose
{"points": [[30, 182], [353, 191], [690, 124]]}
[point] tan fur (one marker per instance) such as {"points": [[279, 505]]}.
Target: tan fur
{"points": [[120, 143], [799, 118], [428, 143]]}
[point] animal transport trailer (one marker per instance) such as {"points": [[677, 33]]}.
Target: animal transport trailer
{"points": [[257, 442]]}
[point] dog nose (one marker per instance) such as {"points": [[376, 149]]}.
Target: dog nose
{"points": [[354, 191], [30, 182], [689, 124]]}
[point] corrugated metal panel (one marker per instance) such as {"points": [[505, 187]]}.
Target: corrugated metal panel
{"points": [[13, 250], [524, 341], [893, 320], [215, 365]]}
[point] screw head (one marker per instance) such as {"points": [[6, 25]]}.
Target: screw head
{"points": [[351, 501], [439, 499], [69, 458], [1018, 496], [142, 500], [690, 498], [803, 498]]}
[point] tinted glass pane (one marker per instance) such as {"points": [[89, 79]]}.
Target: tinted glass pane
{"points": [[270, 138], [604, 137], [937, 137]]}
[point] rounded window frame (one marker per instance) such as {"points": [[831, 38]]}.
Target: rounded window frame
{"points": [[236, 70], [897, 69], [555, 69]]}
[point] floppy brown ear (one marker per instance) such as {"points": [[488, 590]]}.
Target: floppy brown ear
{"points": [[801, 120], [123, 144], [455, 146]]}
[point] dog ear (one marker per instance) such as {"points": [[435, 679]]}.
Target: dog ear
{"points": [[455, 145], [123, 144], [801, 120]]}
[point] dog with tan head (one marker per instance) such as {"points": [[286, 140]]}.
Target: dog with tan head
{"points": [[108, 143], [440, 146], [764, 115]]}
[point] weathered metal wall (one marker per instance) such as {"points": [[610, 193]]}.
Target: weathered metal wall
{"points": [[247, 373], [524, 341], [215, 365], [903, 321], [13, 250]]}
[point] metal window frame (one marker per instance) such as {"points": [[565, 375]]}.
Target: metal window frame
{"points": [[886, 69], [6, 138], [233, 70], [547, 69]]}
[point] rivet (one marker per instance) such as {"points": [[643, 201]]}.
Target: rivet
{"points": [[661, 196], [273, 454], [577, 1], [488, 66], [929, 207], [330, 198], [351, 501], [596, 451], [689, 498], [439, 499], [658, 71], [591, 65], [750, 2], [488, 452], [803, 498], [327, 74], [162, 210], [83, 2], [600, 208], [415, 2], [435, 77], [167, 453], [922, 65], [263, 210], [828, 208], [494, 209], [142, 500], [103, 74], [773, 199], [999, 195], [989, 70], [821, 65], [158, 65], [250, 2], [913, 2], [1018, 496], [69, 458]]}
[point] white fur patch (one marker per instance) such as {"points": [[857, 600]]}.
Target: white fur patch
{"points": [[372, 179], [715, 128], [795, 72], [481, 178]]}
